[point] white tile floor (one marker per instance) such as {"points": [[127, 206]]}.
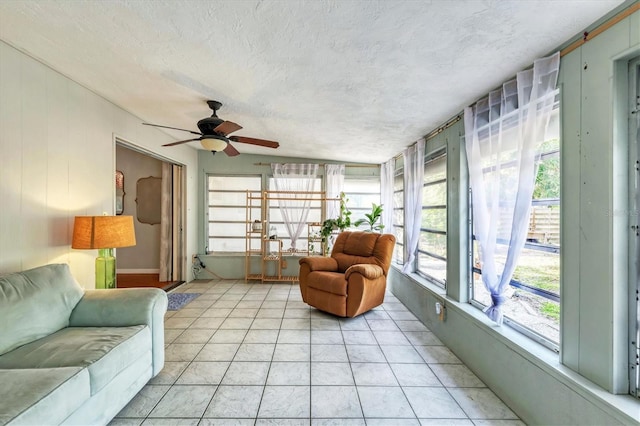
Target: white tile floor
{"points": [[255, 354]]}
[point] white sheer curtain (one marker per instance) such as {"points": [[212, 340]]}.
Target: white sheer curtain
{"points": [[334, 184], [503, 133], [413, 177], [295, 209], [386, 195]]}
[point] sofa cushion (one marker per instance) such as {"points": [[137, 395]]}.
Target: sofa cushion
{"points": [[105, 351], [331, 282], [31, 395], [36, 303]]}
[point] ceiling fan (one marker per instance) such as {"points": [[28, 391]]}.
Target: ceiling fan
{"points": [[214, 133]]}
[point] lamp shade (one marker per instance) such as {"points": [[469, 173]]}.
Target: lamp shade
{"points": [[214, 143], [100, 232]]}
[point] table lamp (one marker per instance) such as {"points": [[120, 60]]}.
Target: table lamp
{"points": [[103, 233]]}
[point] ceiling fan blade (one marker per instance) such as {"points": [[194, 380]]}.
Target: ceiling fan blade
{"points": [[227, 127], [231, 151], [179, 142], [254, 141], [174, 128]]}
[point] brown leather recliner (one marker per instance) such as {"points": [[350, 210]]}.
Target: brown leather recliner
{"points": [[353, 280]]}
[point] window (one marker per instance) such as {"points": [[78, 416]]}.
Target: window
{"points": [[276, 220], [432, 250], [533, 297], [361, 192], [398, 211], [226, 208]]}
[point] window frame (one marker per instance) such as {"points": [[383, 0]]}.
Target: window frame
{"points": [[398, 206], [512, 322], [209, 221], [634, 221], [273, 208], [438, 154], [358, 211]]}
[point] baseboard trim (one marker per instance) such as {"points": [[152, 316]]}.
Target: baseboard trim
{"points": [[137, 271]]}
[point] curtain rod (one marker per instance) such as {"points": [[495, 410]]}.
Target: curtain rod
{"points": [[444, 127], [324, 164], [586, 36]]}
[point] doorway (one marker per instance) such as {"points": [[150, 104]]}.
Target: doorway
{"points": [[152, 191]]}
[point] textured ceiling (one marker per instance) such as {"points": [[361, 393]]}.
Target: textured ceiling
{"points": [[343, 80]]}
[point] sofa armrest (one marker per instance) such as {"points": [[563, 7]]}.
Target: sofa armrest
{"points": [[320, 263], [367, 270], [122, 308]]}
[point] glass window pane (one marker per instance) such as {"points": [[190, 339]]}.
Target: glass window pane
{"points": [[371, 185], [275, 215], [227, 230], [435, 169], [243, 183], [297, 183], [538, 270], [435, 219], [544, 225], [236, 245], [534, 292], [230, 214], [361, 193], [398, 254], [434, 194], [315, 215], [433, 267], [227, 198], [433, 243], [537, 313], [363, 201]]}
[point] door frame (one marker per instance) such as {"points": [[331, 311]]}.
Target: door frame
{"points": [[179, 260]]}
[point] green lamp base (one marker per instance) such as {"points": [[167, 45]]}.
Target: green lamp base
{"points": [[105, 269]]}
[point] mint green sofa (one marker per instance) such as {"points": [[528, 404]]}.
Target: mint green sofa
{"points": [[74, 356]]}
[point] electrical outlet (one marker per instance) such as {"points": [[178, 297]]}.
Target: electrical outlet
{"points": [[440, 311]]}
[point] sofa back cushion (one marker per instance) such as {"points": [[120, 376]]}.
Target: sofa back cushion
{"points": [[36, 303], [352, 248]]}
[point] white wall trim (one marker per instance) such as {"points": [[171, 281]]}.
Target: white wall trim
{"points": [[138, 271]]}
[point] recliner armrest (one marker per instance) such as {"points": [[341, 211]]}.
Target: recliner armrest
{"points": [[320, 263], [367, 270]]}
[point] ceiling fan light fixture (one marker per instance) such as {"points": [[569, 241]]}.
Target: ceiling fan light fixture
{"points": [[214, 143], [214, 134]]}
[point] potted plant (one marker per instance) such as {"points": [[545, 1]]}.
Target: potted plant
{"points": [[372, 218]]}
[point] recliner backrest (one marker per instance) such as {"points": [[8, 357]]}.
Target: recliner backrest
{"points": [[352, 248]]}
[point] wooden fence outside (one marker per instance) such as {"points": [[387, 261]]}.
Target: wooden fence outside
{"points": [[544, 225]]}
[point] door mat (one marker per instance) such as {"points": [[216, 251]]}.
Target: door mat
{"points": [[178, 300]]}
